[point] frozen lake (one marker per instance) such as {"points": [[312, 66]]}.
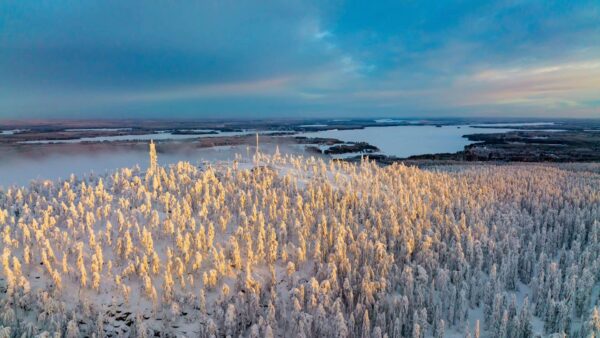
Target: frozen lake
{"points": [[161, 135], [401, 141], [404, 141], [11, 132], [520, 124]]}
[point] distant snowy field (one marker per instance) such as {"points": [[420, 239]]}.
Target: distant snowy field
{"points": [[286, 246]]}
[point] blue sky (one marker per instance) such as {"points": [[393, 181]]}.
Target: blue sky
{"points": [[262, 58]]}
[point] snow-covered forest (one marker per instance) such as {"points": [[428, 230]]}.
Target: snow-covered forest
{"points": [[286, 246]]}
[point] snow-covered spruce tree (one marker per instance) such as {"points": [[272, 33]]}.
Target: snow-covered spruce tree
{"points": [[293, 246]]}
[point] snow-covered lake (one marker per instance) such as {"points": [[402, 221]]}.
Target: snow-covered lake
{"points": [[312, 125], [98, 129], [163, 135], [401, 141], [520, 124], [404, 141], [12, 131], [396, 121]]}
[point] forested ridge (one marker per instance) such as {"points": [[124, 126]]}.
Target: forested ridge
{"points": [[286, 246]]}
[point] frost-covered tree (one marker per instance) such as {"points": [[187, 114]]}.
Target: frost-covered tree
{"points": [[293, 246]]}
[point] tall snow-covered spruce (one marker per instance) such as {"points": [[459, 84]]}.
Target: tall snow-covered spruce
{"points": [[153, 164], [273, 246]]}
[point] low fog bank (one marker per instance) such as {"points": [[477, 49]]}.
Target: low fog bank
{"points": [[21, 166]]}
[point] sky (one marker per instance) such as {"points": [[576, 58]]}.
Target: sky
{"points": [[298, 59]]}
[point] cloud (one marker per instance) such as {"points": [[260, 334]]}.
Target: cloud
{"points": [[567, 85], [137, 43], [274, 58]]}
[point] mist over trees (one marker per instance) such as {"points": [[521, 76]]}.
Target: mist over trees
{"points": [[301, 247]]}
